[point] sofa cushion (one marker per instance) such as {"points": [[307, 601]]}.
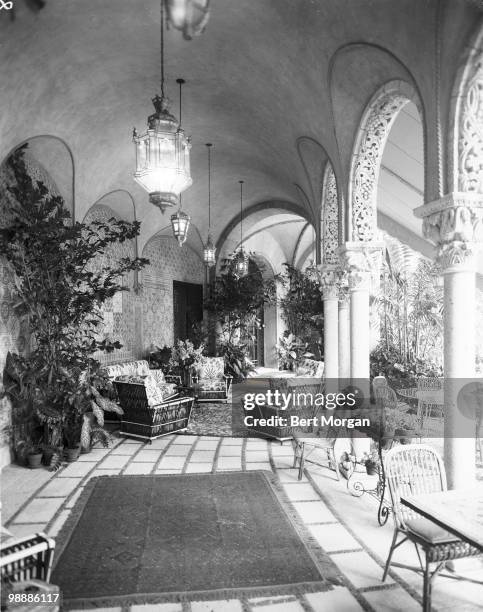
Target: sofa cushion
{"points": [[156, 392], [139, 368], [212, 368], [429, 531]]}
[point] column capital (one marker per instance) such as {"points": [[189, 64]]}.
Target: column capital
{"points": [[361, 261], [329, 278], [454, 224]]}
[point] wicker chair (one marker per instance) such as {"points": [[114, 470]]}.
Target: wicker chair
{"points": [[211, 384], [26, 558], [146, 417], [410, 470]]}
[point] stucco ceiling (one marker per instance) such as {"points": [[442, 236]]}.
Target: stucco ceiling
{"points": [[262, 85]]}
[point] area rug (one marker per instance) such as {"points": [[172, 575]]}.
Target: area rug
{"points": [[152, 539], [217, 419]]}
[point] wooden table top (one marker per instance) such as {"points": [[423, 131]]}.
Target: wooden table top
{"points": [[458, 511]]}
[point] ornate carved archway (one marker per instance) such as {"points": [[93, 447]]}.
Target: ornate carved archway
{"points": [[366, 161], [330, 217]]}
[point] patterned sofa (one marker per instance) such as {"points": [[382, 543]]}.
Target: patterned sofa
{"points": [[211, 384], [149, 402]]}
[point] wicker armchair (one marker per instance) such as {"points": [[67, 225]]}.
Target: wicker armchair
{"points": [[148, 412], [414, 469], [211, 384], [27, 558]]}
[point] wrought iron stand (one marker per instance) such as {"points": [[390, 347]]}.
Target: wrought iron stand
{"points": [[357, 488]]}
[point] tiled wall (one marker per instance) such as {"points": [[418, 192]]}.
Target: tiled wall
{"points": [[168, 262], [119, 312]]}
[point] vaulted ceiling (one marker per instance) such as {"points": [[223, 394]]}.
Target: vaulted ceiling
{"points": [[278, 86]]}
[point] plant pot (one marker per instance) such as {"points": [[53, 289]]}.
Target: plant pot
{"points": [[34, 460], [386, 441], [85, 450], [47, 456], [72, 454], [371, 470], [405, 435]]}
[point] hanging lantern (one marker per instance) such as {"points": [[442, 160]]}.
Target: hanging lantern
{"points": [[209, 253], [240, 259], [189, 16], [163, 152], [180, 222], [241, 263], [209, 250]]}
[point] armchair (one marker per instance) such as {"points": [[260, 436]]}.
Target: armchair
{"points": [[211, 384]]}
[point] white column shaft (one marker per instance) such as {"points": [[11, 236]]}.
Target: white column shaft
{"points": [[459, 362], [344, 341], [331, 337]]}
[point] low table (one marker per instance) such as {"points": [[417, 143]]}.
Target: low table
{"points": [[459, 511]]}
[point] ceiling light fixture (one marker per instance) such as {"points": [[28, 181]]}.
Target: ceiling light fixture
{"points": [[163, 152], [241, 258], [189, 16], [209, 250], [180, 222]]}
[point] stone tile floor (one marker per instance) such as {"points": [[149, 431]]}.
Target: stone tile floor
{"points": [[345, 526]]}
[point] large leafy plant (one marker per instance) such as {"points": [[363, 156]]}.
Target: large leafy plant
{"points": [[234, 304], [302, 307], [60, 292], [410, 308]]}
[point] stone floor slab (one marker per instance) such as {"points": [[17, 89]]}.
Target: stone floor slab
{"points": [[333, 537], [300, 492], [338, 599], [185, 440], [291, 475], [256, 455], [60, 487], [168, 463], [139, 468], [232, 442], [159, 443], [39, 510], [178, 450], [19, 531], [203, 455], [392, 600], [77, 469], [227, 463], [361, 569], [194, 468], [114, 462], [72, 500], [259, 466], [285, 606], [314, 512], [205, 445], [147, 456], [228, 605], [166, 607], [230, 451]]}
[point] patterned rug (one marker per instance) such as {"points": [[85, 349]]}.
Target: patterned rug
{"points": [[216, 419], [150, 539]]}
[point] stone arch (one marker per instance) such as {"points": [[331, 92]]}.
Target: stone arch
{"points": [[51, 156], [372, 135], [330, 218], [465, 171]]}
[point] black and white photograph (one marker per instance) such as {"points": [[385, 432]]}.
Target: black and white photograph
{"points": [[241, 305]]}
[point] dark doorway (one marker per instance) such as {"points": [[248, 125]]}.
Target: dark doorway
{"points": [[187, 310]]}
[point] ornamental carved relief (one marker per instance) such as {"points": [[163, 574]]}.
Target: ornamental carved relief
{"points": [[456, 230], [329, 279], [366, 169], [470, 141], [362, 266], [330, 219]]}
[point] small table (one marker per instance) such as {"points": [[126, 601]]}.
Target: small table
{"points": [[458, 511]]}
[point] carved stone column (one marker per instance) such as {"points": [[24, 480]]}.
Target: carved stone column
{"points": [[344, 334], [361, 260], [452, 224], [329, 285]]}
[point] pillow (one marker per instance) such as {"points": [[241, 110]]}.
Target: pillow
{"points": [[158, 376], [213, 368]]}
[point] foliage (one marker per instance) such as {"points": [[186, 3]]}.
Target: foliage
{"points": [[60, 293], [292, 351], [184, 355], [236, 362], [410, 308], [235, 304], [302, 306], [236, 301], [159, 358]]}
